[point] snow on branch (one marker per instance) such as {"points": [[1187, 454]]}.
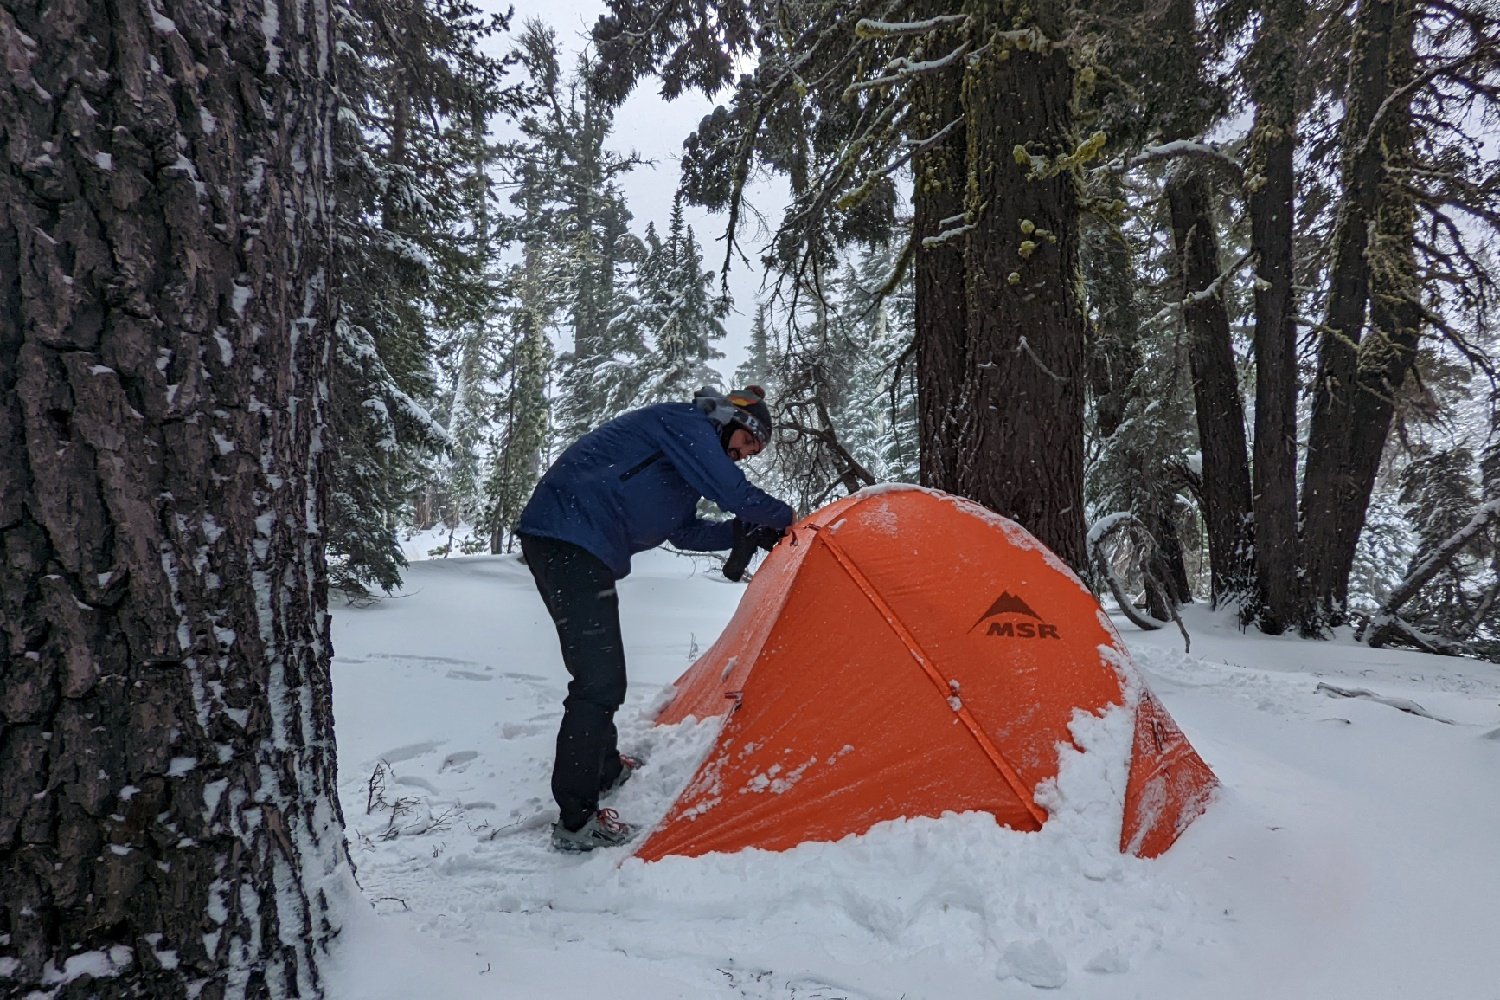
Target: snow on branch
{"points": [[870, 28], [1175, 149], [903, 69], [1209, 291], [928, 242], [915, 146]]}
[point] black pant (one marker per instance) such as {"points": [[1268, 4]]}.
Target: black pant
{"points": [[579, 591]]}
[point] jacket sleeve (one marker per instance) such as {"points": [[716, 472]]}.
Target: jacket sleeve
{"points": [[703, 535], [702, 463]]}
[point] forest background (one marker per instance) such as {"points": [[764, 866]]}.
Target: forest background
{"points": [[1266, 283]]}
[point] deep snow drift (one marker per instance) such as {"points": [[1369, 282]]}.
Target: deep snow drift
{"points": [[1353, 852]]}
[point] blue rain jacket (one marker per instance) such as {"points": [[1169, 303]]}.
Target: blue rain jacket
{"points": [[635, 482]]}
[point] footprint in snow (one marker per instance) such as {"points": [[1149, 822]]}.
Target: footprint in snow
{"points": [[518, 730], [409, 750], [1035, 963], [458, 761]]}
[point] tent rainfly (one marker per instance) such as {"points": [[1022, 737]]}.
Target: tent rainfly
{"points": [[909, 653]]}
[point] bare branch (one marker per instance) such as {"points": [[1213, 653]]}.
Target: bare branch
{"points": [[1203, 294]]}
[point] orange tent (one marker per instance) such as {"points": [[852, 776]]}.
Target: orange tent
{"points": [[909, 653]]}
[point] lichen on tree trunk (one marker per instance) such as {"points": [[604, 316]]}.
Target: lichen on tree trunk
{"points": [[169, 825], [1011, 419]]}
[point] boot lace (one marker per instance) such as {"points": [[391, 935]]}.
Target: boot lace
{"points": [[609, 820]]}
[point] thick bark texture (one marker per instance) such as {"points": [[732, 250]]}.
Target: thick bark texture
{"points": [[1387, 353], [168, 818], [941, 330], [1014, 425], [1271, 194], [1357, 375], [1221, 418]]}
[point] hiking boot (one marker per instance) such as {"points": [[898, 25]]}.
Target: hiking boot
{"points": [[603, 829], [628, 766]]}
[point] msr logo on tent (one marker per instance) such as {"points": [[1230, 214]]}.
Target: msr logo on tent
{"points": [[1002, 621]]}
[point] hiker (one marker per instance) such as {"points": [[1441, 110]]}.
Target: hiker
{"points": [[625, 487]]}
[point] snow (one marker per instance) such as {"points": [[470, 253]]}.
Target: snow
{"points": [[98, 964], [270, 26], [162, 23], [1350, 854]]}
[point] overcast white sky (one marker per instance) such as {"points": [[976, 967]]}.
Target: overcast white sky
{"points": [[655, 129]]}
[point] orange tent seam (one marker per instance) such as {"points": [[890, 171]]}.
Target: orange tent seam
{"points": [[910, 642]]}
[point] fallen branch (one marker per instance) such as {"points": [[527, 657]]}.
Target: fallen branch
{"points": [[1103, 529], [1387, 622], [1401, 704]]}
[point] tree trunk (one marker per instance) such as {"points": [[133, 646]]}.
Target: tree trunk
{"points": [[169, 825], [937, 201], [1271, 194], [1113, 343], [1335, 494], [1388, 351], [1167, 584], [1017, 434], [1221, 419]]}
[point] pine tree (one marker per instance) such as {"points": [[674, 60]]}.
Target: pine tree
{"points": [[413, 84], [1439, 496], [472, 370], [586, 227], [756, 368], [677, 314], [520, 437]]}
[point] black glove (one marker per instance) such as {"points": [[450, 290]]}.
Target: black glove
{"points": [[759, 535]]}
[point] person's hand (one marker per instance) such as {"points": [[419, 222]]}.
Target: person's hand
{"points": [[760, 535], [763, 536]]}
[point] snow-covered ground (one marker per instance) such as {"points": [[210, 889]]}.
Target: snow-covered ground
{"points": [[1354, 851]]}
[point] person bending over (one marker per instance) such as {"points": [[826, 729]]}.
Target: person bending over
{"points": [[623, 488]]}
